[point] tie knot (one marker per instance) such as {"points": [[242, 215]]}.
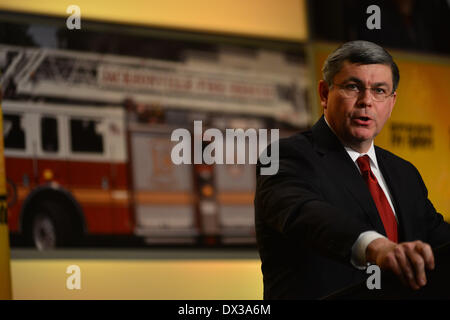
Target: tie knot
{"points": [[364, 163]]}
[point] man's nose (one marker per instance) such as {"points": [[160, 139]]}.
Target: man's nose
{"points": [[365, 97]]}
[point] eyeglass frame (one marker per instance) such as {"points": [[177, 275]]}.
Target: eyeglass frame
{"points": [[342, 87]]}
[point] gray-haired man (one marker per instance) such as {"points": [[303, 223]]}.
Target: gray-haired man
{"points": [[338, 202]]}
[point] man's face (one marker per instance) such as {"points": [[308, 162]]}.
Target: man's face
{"points": [[358, 120]]}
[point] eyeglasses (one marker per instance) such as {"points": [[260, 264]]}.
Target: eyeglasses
{"points": [[352, 90]]}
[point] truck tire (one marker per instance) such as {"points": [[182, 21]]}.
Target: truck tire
{"points": [[50, 227]]}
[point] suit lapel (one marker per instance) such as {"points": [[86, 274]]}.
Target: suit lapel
{"points": [[338, 164], [399, 198]]}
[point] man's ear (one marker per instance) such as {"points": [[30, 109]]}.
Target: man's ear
{"points": [[323, 93], [394, 99]]}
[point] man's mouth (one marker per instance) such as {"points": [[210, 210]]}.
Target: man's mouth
{"points": [[364, 121]]}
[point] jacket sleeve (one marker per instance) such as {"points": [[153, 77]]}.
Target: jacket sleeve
{"points": [[437, 230], [291, 203]]}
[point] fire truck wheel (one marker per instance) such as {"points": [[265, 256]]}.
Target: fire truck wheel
{"points": [[49, 227]]}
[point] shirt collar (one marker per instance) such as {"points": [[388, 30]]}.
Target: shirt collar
{"points": [[371, 153], [355, 154]]}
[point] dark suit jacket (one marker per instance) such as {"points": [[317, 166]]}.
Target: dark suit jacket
{"points": [[311, 212]]}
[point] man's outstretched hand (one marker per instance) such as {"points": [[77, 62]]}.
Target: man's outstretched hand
{"points": [[408, 260]]}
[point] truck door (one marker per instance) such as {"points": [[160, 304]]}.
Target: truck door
{"points": [[89, 172], [17, 132], [51, 162]]}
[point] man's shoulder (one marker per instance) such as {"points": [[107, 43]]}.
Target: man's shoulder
{"points": [[393, 159], [296, 146], [299, 140]]}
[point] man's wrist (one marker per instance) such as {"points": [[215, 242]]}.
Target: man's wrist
{"points": [[375, 247], [358, 258]]}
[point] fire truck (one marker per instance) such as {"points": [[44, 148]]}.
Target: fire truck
{"points": [[87, 145]]}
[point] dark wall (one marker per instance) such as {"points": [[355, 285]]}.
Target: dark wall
{"points": [[405, 24]]}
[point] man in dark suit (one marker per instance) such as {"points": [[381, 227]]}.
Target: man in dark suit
{"points": [[338, 202]]}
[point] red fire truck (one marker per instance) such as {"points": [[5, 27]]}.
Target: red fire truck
{"points": [[87, 146]]}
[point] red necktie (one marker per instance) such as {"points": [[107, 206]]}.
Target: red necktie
{"points": [[384, 209]]}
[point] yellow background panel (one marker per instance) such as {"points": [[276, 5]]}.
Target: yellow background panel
{"points": [[5, 275], [5, 283], [139, 279], [283, 19]]}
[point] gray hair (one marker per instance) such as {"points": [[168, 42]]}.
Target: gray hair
{"points": [[361, 52]]}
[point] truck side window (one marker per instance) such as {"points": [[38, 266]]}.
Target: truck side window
{"points": [[84, 137], [13, 134], [49, 134]]}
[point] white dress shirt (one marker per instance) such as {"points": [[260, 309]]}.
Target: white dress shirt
{"points": [[358, 256], [359, 247]]}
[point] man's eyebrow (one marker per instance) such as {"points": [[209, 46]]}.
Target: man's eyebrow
{"points": [[353, 79], [359, 81], [379, 84]]}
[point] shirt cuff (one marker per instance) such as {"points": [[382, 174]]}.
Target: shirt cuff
{"points": [[358, 258]]}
